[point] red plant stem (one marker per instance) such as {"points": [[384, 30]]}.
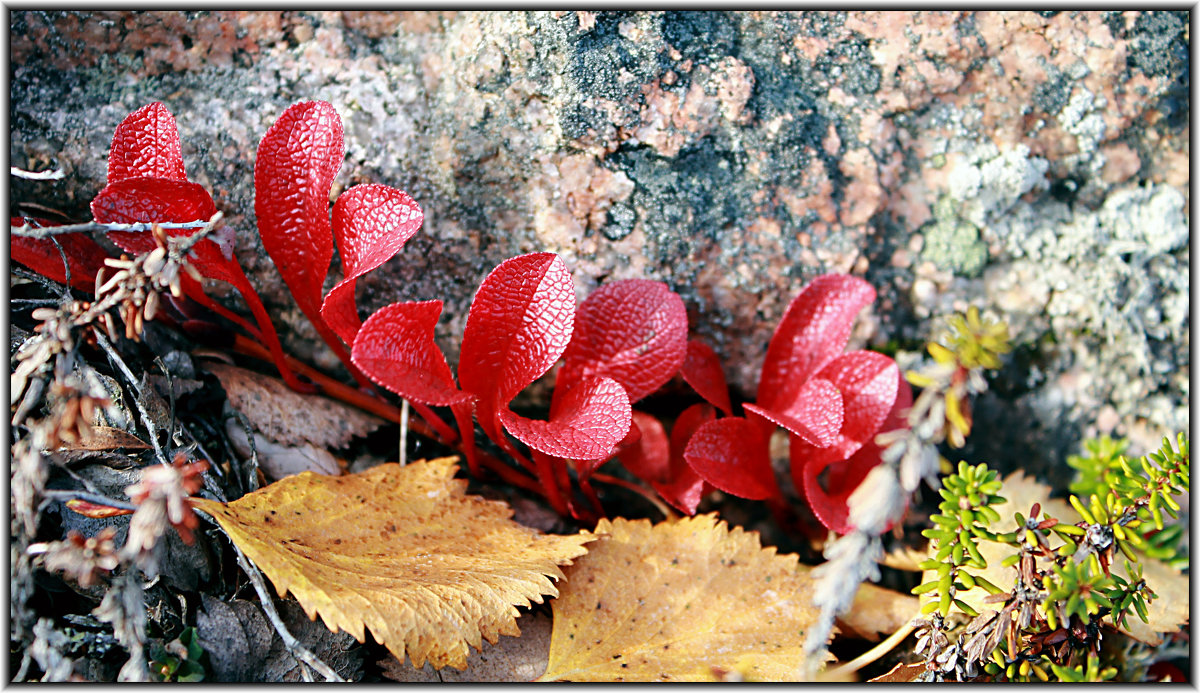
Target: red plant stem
{"points": [[545, 476], [338, 390], [357, 398], [509, 473], [447, 434], [590, 493], [638, 489]]}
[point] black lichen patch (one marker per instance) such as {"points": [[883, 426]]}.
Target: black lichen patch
{"points": [[703, 37], [687, 200], [1159, 46], [848, 64], [1051, 96], [603, 64]]}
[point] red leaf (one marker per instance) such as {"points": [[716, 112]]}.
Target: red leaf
{"points": [[830, 501], [586, 422], [519, 324], [395, 348], [875, 395], [293, 173], [815, 416], [685, 491], [732, 454], [371, 223], [633, 331], [162, 200], [147, 200], [84, 256], [702, 371], [649, 457], [813, 331], [869, 383], [686, 487], [146, 145]]}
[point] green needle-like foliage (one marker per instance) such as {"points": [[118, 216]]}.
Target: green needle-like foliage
{"points": [[1064, 592]]}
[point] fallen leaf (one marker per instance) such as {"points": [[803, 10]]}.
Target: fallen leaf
{"points": [[511, 660], [877, 610], [288, 417], [1167, 613], [901, 673], [680, 601], [905, 558], [107, 438], [243, 647], [401, 551], [278, 461]]}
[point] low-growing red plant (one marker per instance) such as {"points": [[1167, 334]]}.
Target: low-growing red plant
{"points": [[832, 404], [626, 340]]}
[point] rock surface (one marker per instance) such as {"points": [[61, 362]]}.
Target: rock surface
{"points": [[1034, 164]]}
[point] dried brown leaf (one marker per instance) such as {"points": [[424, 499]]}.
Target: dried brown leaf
{"points": [[106, 438], [684, 600], [901, 673], [511, 660], [402, 551], [288, 417]]}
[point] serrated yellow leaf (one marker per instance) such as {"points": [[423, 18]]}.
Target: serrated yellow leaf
{"points": [[402, 551], [684, 600]]}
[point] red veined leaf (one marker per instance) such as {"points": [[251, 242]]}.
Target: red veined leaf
{"points": [[686, 487], [633, 331], [162, 200], [586, 422], [685, 491], [649, 457], [395, 348], [732, 454], [813, 331], [815, 416], [84, 256], [519, 323], [829, 501], [703, 372], [146, 145], [873, 390], [149, 200], [869, 383], [293, 173], [370, 223]]}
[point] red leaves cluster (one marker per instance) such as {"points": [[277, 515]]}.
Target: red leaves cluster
{"points": [[625, 341], [832, 404]]}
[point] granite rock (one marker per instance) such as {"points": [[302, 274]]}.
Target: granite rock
{"points": [[1034, 164]]}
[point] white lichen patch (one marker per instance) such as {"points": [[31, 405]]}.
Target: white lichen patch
{"points": [[1110, 285], [991, 181]]}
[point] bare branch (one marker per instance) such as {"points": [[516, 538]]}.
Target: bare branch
{"points": [[56, 174], [298, 650], [91, 226]]}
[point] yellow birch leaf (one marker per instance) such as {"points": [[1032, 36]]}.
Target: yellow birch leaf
{"points": [[684, 600], [402, 551]]}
